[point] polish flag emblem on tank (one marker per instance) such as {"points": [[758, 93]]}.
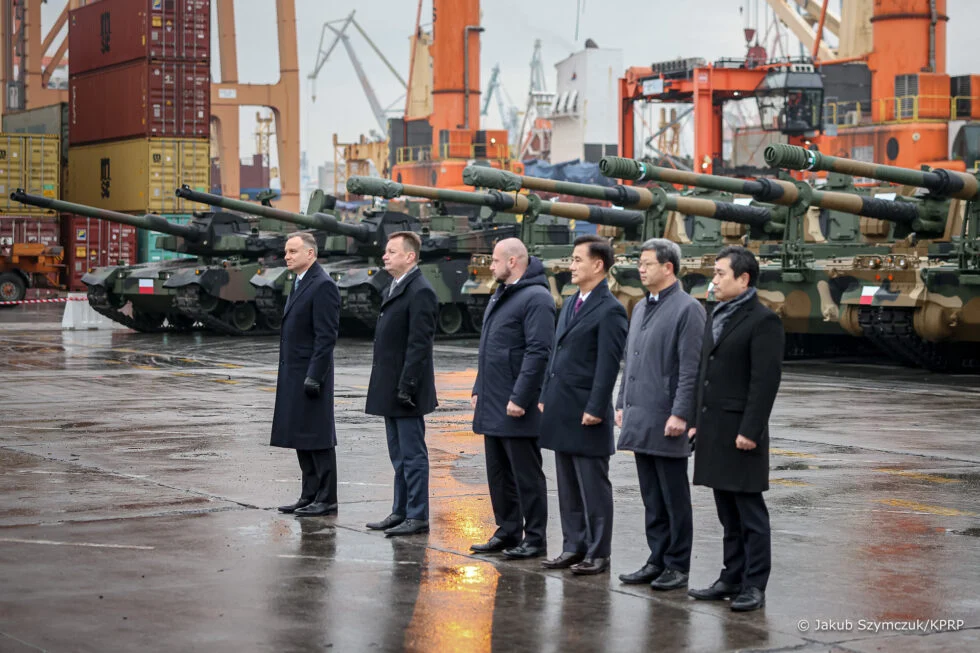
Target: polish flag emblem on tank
{"points": [[146, 286], [867, 294]]}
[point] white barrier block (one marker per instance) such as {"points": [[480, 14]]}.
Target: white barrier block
{"points": [[79, 315]]}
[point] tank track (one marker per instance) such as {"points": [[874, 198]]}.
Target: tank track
{"points": [[194, 303], [98, 299], [476, 306], [892, 331], [269, 306]]}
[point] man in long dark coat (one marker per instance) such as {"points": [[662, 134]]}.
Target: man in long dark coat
{"points": [[578, 412], [304, 418], [656, 405], [741, 364], [402, 388], [515, 343]]}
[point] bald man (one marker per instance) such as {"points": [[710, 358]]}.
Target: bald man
{"points": [[515, 344]]}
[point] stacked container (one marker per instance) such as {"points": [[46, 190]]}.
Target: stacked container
{"points": [[139, 116]]}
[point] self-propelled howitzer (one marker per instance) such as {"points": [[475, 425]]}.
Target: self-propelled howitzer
{"points": [[215, 238]]}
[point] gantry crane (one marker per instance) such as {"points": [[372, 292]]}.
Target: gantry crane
{"points": [[509, 114]]}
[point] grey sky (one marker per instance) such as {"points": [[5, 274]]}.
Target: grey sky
{"points": [[646, 31]]}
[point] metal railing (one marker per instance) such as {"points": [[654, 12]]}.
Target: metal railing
{"points": [[899, 109], [463, 151]]}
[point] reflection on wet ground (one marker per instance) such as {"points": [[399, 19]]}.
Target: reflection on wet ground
{"points": [[137, 493]]}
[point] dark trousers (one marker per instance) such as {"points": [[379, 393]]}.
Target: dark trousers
{"points": [[319, 469], [586, 504], [410, 458], [667, 500], [518, 490], [747, 543]]}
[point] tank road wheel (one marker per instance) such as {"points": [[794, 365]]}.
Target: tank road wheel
{"points": [[243, 316], [271, 321], [12, 287], [450, 319], [206, 301]]}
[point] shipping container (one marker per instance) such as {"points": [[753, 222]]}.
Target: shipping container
{"points": [[51, 119], [31, 162], [112, 32], [91, 243], [149, 252], [42, 229], [138, 175], [153, 99]]}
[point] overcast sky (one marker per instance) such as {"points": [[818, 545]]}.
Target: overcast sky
{"points": [[645, 30]]}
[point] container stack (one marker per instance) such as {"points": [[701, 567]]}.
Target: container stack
{"points": [[33, 162], [139, 116]]}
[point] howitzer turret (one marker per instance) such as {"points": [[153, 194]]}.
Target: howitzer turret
{"points": [[946, 183]]}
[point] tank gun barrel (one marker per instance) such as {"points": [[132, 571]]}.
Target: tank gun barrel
{"points": [[625, 196], [756, 216], [776, 191], [940, 181], [320, 221], [147, 221]]}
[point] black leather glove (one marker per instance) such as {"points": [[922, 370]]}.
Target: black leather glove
{"points": [[405, 400], [311, 387]]}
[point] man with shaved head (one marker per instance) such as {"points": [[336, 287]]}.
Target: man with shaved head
{"points": [[515, 344]]}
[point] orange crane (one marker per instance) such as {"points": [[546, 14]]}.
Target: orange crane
{"points": [[432, 150]]}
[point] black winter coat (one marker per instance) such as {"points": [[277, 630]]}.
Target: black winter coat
{"points": [[738, 381], [581, 375], [403, 350], [515, 343], [310, 324]]}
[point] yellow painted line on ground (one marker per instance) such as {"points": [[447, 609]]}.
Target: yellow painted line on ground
{"points": [[186, 374], [918, 476], [455, 433], [226, 381], [921, 507], [791, 454], [145, 367], [788, 482], [230, 366], [188, 360], [112, 362], [268, 388]]}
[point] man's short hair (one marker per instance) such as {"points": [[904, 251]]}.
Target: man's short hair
{"points": [[666, 250], [742, 261], [411, 241], [308, 240], [599, 248]]}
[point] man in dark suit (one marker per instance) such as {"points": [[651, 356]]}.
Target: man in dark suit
{"points": [[576, 400], [402, 387], [304, 418], [741, 364], [655, 406], [515, 343]]}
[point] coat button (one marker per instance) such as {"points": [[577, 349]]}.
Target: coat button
{"points": [[552, 375], [711, 358], [706, 384], [632, 378], [636, 353], [704, 409]]}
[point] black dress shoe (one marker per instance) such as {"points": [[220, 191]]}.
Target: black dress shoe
{"points": [[302, 503], [387, 522], [409, 527], [564, 561], [493, 545], [591, 566], [643, 575], [316, 509], [524, 551], [751, 598], [671, 579], [718, 591]]}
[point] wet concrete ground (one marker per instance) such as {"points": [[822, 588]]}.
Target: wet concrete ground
{"points": [[137, 496]]}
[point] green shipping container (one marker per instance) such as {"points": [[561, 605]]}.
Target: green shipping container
{"points": [[148, 250]]}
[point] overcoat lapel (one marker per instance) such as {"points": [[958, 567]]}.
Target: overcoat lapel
{"points": [[400, 288], [303, 285], [740, 314]]}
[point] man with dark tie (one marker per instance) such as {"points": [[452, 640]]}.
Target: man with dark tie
{"points": [[655, 405], [304, 418], [741, 364], [515, 343], [576, 401], [402, 388]]}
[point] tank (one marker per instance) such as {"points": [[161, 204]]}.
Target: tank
{"points": [[917, 302], [145, 298], [360, 276]]}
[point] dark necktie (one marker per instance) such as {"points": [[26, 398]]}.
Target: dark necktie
{"points": [[578, 305], [296, 284]]}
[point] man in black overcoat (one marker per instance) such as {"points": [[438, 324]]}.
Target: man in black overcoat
{"points": [[304, 418], [402, 388], [576, 400], [515, 343], [741, 364]]}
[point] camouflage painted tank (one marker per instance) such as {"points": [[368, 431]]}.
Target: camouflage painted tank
{"points": [[447, 243], [144, 298], [920, 302]]}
